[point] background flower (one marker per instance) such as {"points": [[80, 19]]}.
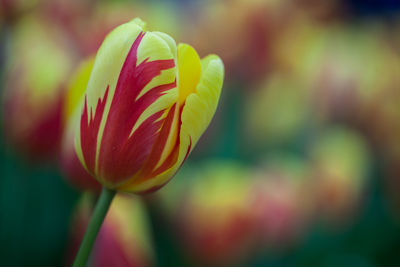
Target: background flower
{"points": [[34, 88]]}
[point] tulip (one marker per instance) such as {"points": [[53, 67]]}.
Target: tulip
{"points": [[70, 164], [123, 241], [146, 105]]}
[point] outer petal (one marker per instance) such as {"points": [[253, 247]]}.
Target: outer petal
{"points": [[71, 166], [189, 71], [107, 66], [76, 90], [196, 115], [200, 107]]}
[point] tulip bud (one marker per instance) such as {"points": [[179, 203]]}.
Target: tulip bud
{"points": [[124, 239], [70, 164], [146, 105]]}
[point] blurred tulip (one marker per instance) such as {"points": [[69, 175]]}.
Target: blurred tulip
{"points": [[124, 239], [348, 82], [39, 66], [298, 47], [281, 202], [281, 95], [339, 63], [215, 228], [248, 59], [147, 103], [71, 166], [340, 160]]}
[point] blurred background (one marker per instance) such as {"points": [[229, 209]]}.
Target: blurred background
{"points": [[299, 167]]}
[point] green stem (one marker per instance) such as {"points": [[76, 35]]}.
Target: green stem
{"points": [[93, 228]]}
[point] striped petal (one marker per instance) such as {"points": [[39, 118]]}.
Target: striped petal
{"points": [[74, 97], [194, 117], [131, 89]]}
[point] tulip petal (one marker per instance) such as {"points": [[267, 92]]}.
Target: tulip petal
{"points": [[74, 97], [189, 71], [196, 115], [200, 107], [107, 66]]}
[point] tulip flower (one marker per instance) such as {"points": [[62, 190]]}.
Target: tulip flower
{"points": [[147, 103]]}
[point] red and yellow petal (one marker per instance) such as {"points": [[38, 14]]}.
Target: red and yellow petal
{"points": [[70, 164], [194, 117]]}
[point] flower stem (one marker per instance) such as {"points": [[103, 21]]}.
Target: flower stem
{"points": [[94, 226]]}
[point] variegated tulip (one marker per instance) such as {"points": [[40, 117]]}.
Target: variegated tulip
{"points": [[147, 103]]}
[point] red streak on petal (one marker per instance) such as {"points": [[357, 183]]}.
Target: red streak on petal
{"points": [[130, 157], [160, 143], [169, 161], [173, 157], [123, 154], [90, 130]]}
